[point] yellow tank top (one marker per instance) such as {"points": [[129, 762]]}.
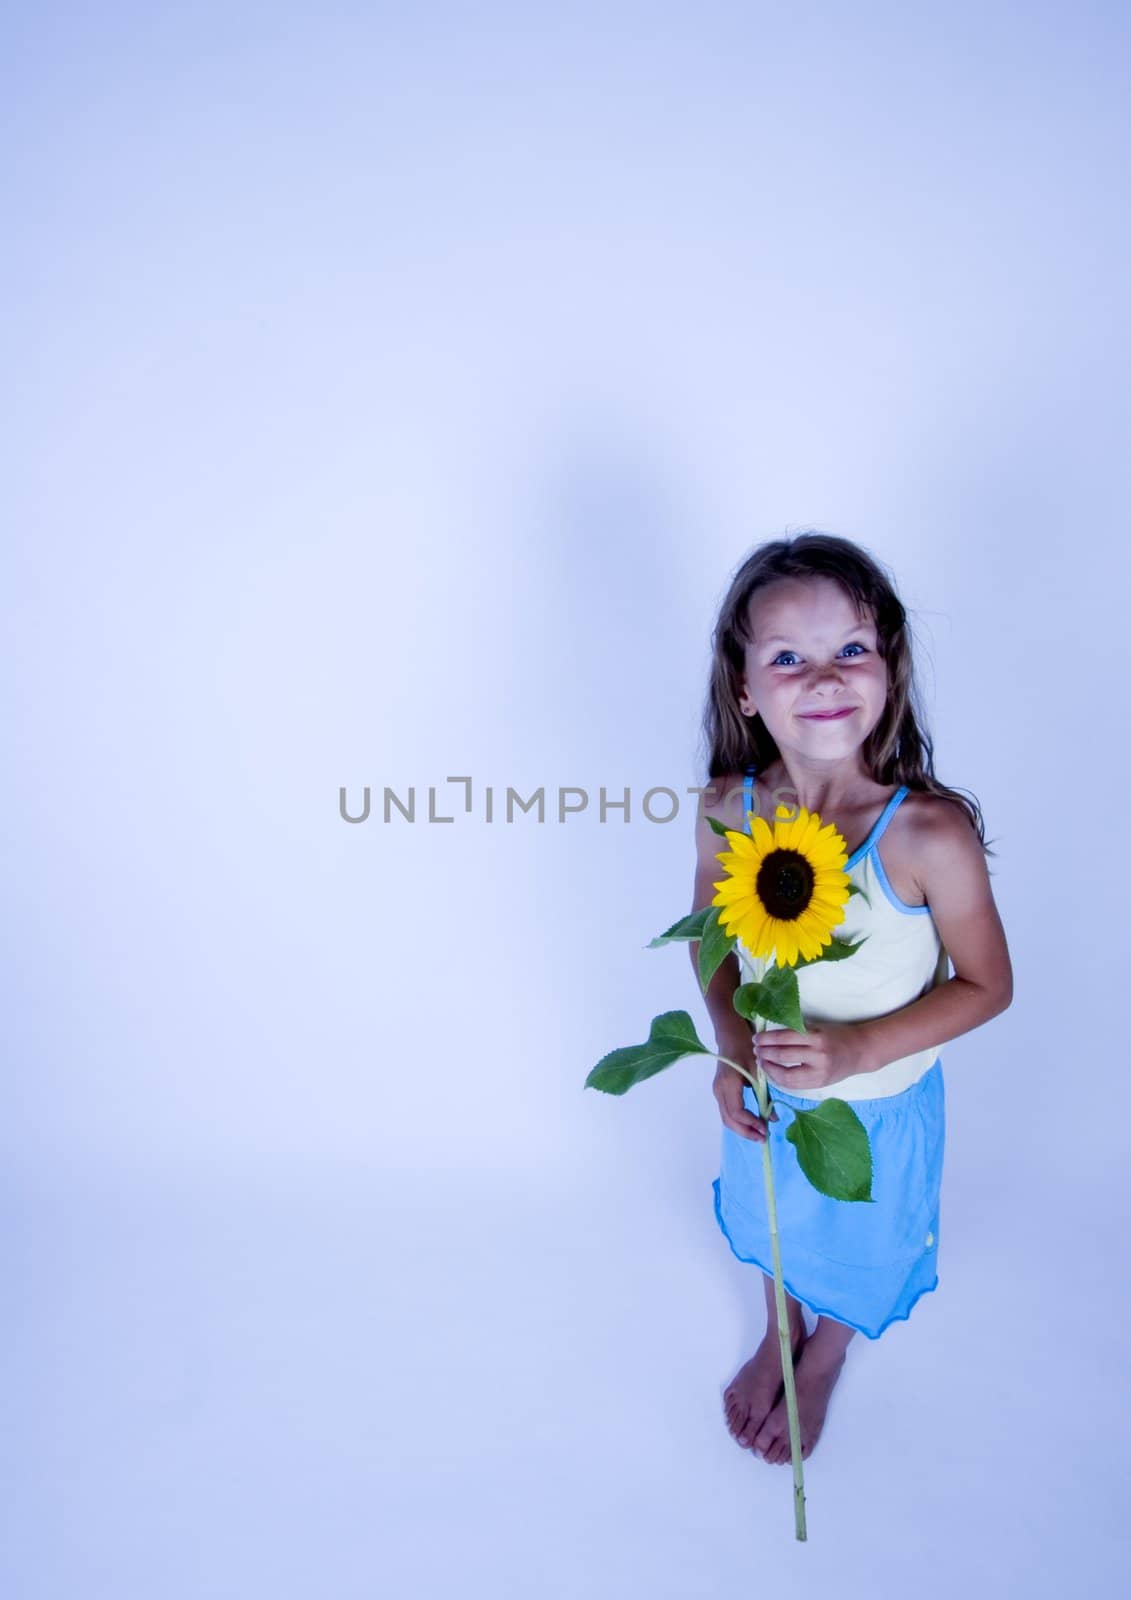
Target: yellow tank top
{"points": [[902, 959]]}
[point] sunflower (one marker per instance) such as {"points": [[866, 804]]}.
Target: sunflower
{"points": [[785, 889]]}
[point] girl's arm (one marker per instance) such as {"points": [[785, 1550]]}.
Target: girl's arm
{"points": [[950, 867], [723, 799]]}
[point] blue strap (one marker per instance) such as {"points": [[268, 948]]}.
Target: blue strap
{"points": [[888, 812], [878, 827], [877, 830]]}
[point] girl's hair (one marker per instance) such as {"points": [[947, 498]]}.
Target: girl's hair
{"points": [[898, 749]]}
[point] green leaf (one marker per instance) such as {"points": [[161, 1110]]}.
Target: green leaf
{"points": [[721, 827], [835, 950], [833, 1150], [854, 888], [779, 988], [746, 998], [775, 998], [841, 949], [689, 927], [715, 945], [671, 1037]]}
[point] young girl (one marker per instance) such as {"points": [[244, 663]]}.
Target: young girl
{"points": [[811, 704]]}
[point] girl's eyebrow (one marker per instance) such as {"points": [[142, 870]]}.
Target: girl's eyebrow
{"points": [[776, 638]]}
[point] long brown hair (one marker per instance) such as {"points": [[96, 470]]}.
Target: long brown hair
{"points": [[898, 750]]}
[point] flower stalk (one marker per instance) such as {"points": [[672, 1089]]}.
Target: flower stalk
{"points": [[765, 1105], [761, 1089]]}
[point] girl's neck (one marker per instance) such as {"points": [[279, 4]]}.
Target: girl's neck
{"points": [[831, 792]]}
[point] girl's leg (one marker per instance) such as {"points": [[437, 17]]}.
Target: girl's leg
{"points": [[793, 1310], [815, 1375], [751, 1393], [829, 1340]]}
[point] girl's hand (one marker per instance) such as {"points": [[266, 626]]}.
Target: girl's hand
{"points": [[828, 1052], [728, 1087]]}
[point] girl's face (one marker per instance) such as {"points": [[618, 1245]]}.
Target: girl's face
{"points": [[812, 653]]}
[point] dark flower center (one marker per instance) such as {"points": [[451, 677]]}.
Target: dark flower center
{"points": [[785, 884]]}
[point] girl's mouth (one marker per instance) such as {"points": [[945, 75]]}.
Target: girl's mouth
{"points": [[827, 716]]}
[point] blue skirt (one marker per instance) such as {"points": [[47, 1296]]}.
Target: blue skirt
{"points": [[864, 1265]]}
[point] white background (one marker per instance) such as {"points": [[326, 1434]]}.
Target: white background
{"points": [[393, 393]]}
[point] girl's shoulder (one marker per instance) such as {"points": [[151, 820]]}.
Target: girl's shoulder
{"points": [[926, 832], [723, 797], [931, 817]]}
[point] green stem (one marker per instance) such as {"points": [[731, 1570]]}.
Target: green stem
{"points": [[749, 1076], [762, 1094]]}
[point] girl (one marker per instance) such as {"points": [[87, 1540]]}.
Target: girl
{"points": [[811, 704]]}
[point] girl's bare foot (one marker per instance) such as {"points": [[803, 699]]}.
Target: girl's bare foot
{"points": [[815, 1377], [752, 1391]]}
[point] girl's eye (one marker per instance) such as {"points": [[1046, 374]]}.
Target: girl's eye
{"points": [[853, 646]]}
